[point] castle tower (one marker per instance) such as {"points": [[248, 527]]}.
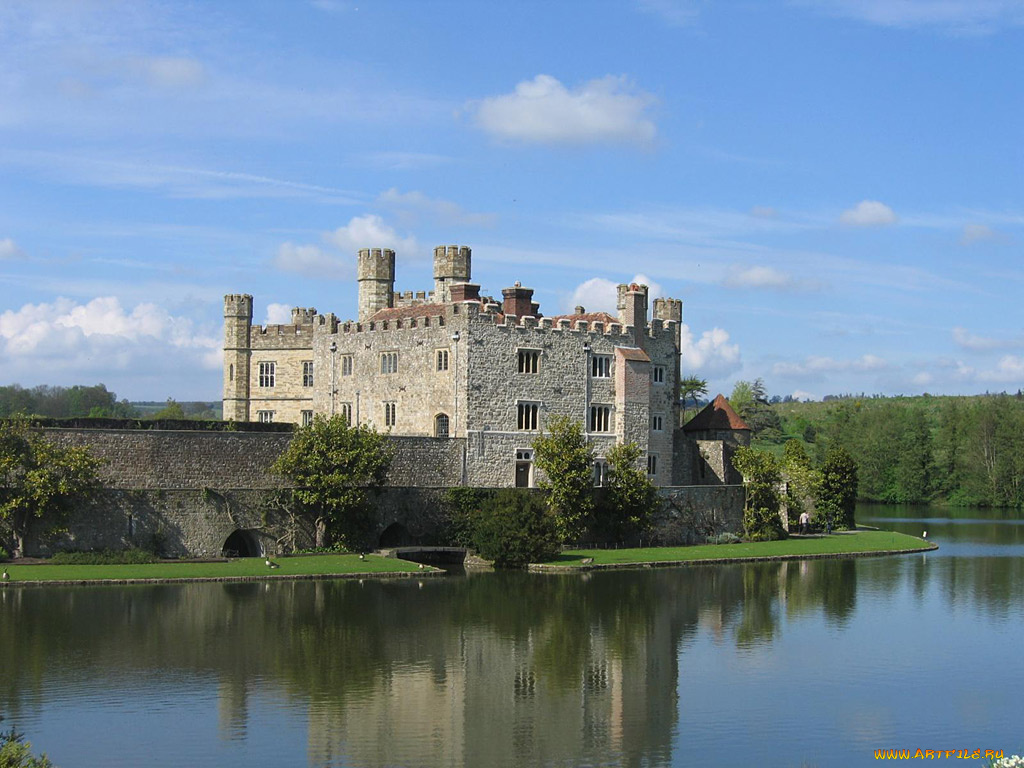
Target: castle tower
{"points": [[670, 309], [375, 272], [633, 310], [452, 264], [237, 325]]}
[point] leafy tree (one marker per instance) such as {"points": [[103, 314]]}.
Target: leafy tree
{"points": [[837, 494], [15, 752], [750, 400], [334, 468], [40, 479], [516, 528], [692, 388], [801, 478], [761, 475], [568, 463], [172, 410], [630, 496]]}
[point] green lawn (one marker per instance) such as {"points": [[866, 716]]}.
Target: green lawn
{"points": [[308, 565], [836, 544]]}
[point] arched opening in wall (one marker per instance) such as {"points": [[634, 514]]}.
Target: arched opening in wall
{"points": [[395, 535], [441, 425], [242, 544]]}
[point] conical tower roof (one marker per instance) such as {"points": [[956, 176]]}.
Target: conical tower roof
{"points": [[717, 415]]}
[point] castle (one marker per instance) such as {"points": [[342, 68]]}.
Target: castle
{"points": [[453, 364]]}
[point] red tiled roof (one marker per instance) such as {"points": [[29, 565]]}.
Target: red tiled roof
{"points": [[632, 353], [716, 415], [401, 313]]}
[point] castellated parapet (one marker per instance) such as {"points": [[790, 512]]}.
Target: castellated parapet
{"points": [[452, 363]]}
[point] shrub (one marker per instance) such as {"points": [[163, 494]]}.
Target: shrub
{"points": [[462, 511], [761, 475], [515, 528], [724, 538], [15, 752], [105, 557], [4, 555]]}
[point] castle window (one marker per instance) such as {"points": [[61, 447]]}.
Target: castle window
{"points": [[231, 372], [442, 359], [307, 373], [264, 417], [345, 409], [600, 472], [658, 374], [657, 422], [529, 360], [600, 418], [388, 362], [527, 416], [441, 425], [601, 366], [390, 413], [268, 374], [652, 464], [307, 418], [524, 468], [346, 365]]}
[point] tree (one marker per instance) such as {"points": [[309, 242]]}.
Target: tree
{"points": [[334, 469], [630, 495], [40, 480], [568, 464], [837, 494], [750, 400], [172, 410], [801, 478], [691, 388], [516, 528], [761, 476], [15, 752]]}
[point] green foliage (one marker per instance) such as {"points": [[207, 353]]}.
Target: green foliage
{"points": [[462, 511], [762, 475], [4, 555], [692, 388], [750, 400], [567, 461], [132, 556], [15, 752], [334, 468], [515, 528], [172, 410], [837, 494], [40, 479], [63, 402], [801, 479], [629, 497]]}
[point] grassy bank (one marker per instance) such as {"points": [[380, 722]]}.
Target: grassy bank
{"points": [[242, 568], [838, 544]]}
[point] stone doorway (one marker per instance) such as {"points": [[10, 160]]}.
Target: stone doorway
{"points": [[242, 544]]}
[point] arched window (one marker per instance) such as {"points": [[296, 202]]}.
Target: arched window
{"points": [[441, 425]]}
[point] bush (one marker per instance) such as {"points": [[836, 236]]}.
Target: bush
{"points": [[4, 555], [15, 752], [724, 538], [105, 557], [461, 512], [515, 528], [761, 475]]}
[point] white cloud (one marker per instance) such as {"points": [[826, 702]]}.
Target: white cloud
{"points": [[10, 250], [964, 338], [600, 295], [1009, 369], [765, 277], [802, 395], [413, 205], [709, 356], [972, 16], [868, 213], [815, 365], [369, 231], [542, 110], [977, 233], [675, 13], [278, 314], [101, 338], [313, 261], [923, 379]]}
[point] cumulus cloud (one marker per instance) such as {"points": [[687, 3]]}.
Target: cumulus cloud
{"points": [[543, 111], [278, 314], [709, 356], [414, 205], [868, 213], [600, 295], [765, 277], [1010, 368], [335, 259], [973, 16], [369, 231], [817, 365], [10, 250], [101, 336]]}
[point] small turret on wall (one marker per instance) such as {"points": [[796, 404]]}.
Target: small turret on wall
{"points": [[375, 272], [237, 329], [632, 306], [452, 264]]}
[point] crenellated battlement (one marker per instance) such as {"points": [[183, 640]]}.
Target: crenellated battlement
{"points": [[303, 315], [238, 305]]}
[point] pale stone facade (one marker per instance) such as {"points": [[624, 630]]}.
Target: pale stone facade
{"points": [[451, 363]]}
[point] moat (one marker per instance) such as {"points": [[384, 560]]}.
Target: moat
{"points": [[771, 664]]}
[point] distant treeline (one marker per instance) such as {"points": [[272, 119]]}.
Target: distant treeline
{"points": [[93, 402], [966, 451]]}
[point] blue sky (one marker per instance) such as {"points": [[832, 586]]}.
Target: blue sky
{"points": [[831, 186]]}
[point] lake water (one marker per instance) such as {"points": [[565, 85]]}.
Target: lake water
{"points": [[815, 663]]}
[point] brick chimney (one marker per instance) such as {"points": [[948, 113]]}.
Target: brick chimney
{"points": [[518, 301]]}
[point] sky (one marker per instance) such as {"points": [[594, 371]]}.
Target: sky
{"points": [[832, 187]]}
